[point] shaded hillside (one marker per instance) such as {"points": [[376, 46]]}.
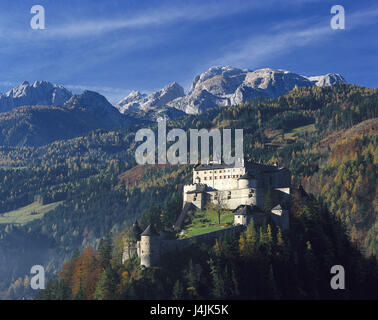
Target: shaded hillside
{"points": [[35, 249], [262, 263], [40, 125]]}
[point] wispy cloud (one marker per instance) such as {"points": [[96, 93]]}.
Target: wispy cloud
{"points": [[288, 36], [165, 14], [259, 49], [152, 17], [362, 18]]}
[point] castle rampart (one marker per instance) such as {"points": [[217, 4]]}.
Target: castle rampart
{"points": [[152, 247]]}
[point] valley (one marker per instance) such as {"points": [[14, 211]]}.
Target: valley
{"points": [[99, 187]]}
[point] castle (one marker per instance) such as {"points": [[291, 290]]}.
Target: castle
{"points": [[247, 190], [230, 186]]}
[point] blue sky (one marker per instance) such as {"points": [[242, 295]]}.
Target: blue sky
{"points": [[114, 47]]}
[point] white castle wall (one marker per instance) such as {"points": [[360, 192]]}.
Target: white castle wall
{"points": [[221, 179], [231, 199], [228, 199], [225, 184]]}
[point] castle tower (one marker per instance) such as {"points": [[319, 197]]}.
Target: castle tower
{"points": [[244, 213], [149, 247], [241, 215], [131, 245]]}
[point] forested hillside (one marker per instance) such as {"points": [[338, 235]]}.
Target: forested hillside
{"points": [[262, 263], [326, 136], [40, 125]]}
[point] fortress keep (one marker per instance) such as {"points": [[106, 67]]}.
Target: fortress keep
{"points": [[230, 187]]}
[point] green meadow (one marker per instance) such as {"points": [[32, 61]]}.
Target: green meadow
{"points": [[23, 215], [207, 221]]}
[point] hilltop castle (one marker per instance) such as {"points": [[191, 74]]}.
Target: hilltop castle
{"points": [[247, 190], [230, 186]]}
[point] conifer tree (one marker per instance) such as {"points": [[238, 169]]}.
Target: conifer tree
{"points": [[178, 291], [105, 251]]}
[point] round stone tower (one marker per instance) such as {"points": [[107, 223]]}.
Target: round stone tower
{"points": [[243, 182], [149, 247]]}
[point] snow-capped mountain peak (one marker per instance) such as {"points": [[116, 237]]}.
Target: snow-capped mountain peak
{"points": [[328, 79], [39, 93], [136, 101], [222, 86]]}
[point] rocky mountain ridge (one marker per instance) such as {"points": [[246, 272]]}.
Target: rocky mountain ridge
{"points": [[38, 93], [223, 86], [217, 87]]}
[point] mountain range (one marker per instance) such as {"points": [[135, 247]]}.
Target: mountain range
{"points": [[219, 87], [42, 112], [39, 93], [42, 124]]}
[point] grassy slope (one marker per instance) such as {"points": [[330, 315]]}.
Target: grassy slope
{"points": [[29, 213], [309, 128], [207, 221]]}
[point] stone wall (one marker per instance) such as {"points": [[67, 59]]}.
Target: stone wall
{"points": [[152, 250], [171, 245]]}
